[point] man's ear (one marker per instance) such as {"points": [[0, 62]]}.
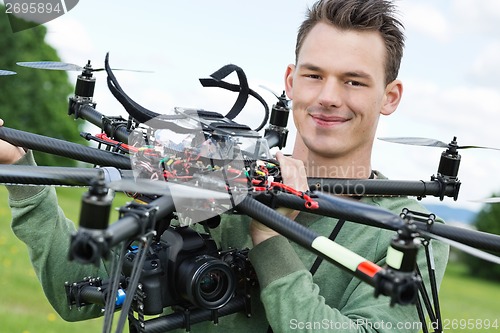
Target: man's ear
{"points": [[393, 93], [290, 70]]}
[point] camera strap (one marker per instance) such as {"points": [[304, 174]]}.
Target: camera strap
{"points": [[319, 260], [334, 234], [332, 237]]}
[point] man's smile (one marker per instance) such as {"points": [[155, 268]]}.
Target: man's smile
{"points": [[327, 120]]}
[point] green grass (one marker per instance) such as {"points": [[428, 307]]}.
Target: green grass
{"points": [[24, 308], [466, 299]]}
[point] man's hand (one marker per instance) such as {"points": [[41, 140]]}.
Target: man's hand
{"points": [[8, 153], [294, 175]]}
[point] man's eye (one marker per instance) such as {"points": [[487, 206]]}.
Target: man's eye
{"points": [[355, 83], [313, 76]]}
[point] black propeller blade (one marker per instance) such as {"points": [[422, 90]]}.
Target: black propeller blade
{"points": [[417, 141], [63, 66], [282, 99]]}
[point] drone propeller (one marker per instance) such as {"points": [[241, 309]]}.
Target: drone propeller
{"points": [[192, 203], [53, 65], [4, 72], [63, 66], [488, 200], [68, 176], [416, 141], [281, 99], [462, 247], [156, 187]]}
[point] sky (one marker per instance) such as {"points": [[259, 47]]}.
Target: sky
{"points": [[450, 70]]}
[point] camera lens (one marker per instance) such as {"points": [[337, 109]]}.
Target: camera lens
{"points": [[210, 282], [206, 282]]}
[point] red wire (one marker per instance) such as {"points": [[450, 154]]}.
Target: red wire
{"points": [[104, 137]]}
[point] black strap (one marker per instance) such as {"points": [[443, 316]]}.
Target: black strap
{"points": [[332, 237], [334, 234], [319, 259], [244, 90]]}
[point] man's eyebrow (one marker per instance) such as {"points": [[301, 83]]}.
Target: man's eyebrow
{"points": [[310, 67], [358, 74], [354, 74]]}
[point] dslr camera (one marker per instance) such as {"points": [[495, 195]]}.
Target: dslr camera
{"points": [[185, 269]]}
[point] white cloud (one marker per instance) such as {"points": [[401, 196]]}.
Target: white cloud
{"points": [[477, 16], [427, 19], [486, 68], [469, 112], [70, 38]]}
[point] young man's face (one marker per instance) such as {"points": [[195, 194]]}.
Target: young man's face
{"points": [[338, 90]]}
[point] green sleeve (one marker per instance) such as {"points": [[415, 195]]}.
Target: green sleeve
{"points": [[38, 221], [294, 302]]}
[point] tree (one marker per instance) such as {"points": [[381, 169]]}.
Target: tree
{"points": [[487, 220], [35, 100]]}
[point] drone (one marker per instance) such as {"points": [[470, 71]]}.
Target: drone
{"points": [[196, 165]]}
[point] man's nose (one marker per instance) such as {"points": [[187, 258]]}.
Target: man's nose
{"points": [[330, 94]]}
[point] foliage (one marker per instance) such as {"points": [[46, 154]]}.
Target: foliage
{"points": [[34, 100], [487, 220]]}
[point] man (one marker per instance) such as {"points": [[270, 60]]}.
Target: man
{"points": [[345, 76]]}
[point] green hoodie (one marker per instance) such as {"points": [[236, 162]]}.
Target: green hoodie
{"points": [[290, 299]]}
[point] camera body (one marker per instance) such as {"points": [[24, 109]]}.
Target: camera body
{"points": [[184, 268]]}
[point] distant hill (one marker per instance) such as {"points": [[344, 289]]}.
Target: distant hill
{"points": [[451, 214]]}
